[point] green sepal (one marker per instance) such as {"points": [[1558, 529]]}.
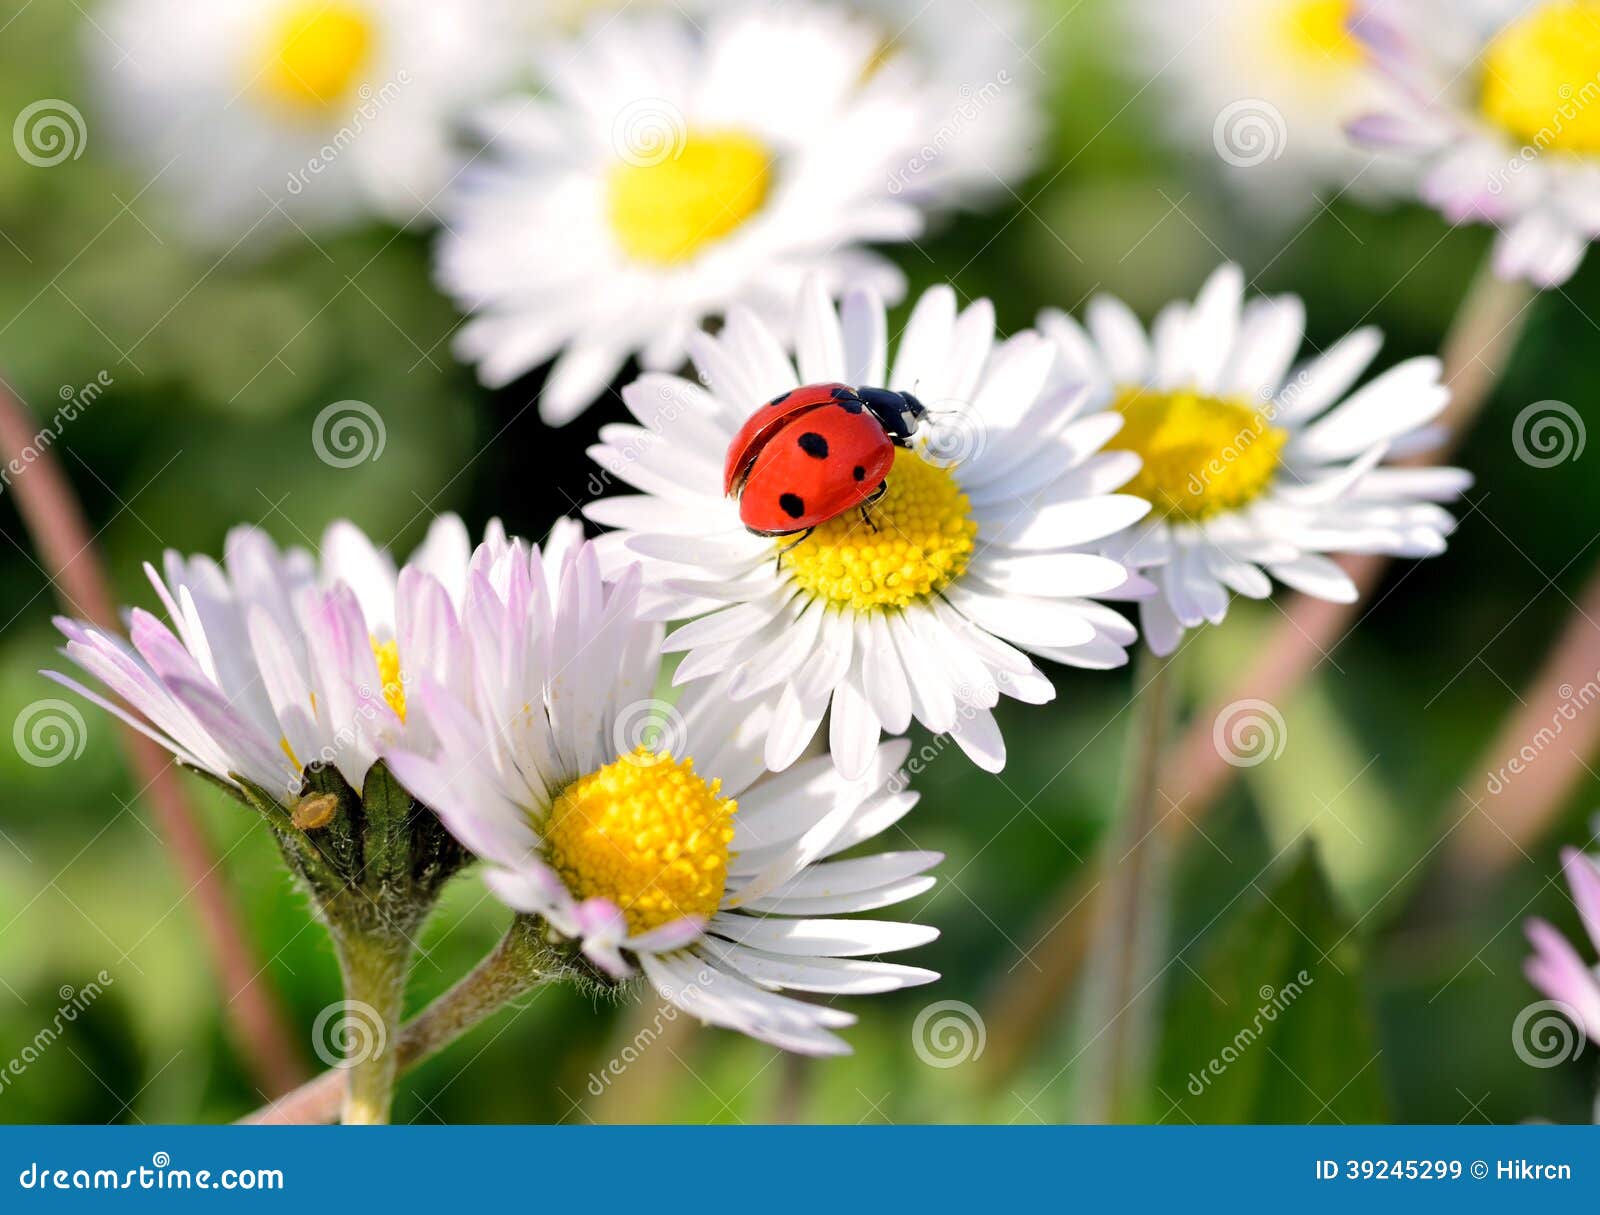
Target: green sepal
{"points": [[378, 864]]}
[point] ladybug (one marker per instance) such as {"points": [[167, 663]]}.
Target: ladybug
{"points": [[812, 454]]}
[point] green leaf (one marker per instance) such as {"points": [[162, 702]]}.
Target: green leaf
{"points": [[1271, 1024], [388, 810]]}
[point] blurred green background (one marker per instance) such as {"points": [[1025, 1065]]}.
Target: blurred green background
{"points": [[218, 369]]}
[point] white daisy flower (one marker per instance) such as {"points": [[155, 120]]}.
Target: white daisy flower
{"points": [[977, 69], [982, 65], [664, 177], [665, 853], [1266, 86], [276, 660], [922, 606], [1496, 109], [1255, 468], [331, 109]]}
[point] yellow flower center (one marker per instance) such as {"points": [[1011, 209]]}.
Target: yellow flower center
{"points": [[918, 541], [394, 689], [1541, 77], [1317, 33], [318, 49], [646, 832], [665, 209], [1202, 456]]}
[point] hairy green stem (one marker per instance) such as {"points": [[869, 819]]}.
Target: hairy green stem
{"points": [[517, 965], [375, 967]]}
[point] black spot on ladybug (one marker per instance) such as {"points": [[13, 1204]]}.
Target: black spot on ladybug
{"points": [[814, 445], [851, 406], [792, 505], [779, 400], [859, 473]]}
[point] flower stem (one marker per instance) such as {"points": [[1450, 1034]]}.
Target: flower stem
{"points": [[375, 967], [1117, 1003], [1476, 350], [516, 966]]}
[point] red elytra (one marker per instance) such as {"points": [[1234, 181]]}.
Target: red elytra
{"points": [[814, 453]]}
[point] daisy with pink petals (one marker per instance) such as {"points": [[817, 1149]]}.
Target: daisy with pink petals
{"points": [[1556, 968], [639, 831], [276, 660], [1495, 107]]}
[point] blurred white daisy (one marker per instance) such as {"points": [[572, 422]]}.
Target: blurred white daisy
{"points": [[641, 832], [977, 69], [1497, 109], [330, 110], [276, 660], [666, 175], [1265, 87], [1253, 465], [924, 607]]}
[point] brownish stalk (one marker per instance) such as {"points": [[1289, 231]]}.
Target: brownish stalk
{"points": [[1117, 1012], [1475, 352], [54, 521], [1503, 813]]}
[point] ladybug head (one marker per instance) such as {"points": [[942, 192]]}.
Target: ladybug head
{"points": [[897, 412]]}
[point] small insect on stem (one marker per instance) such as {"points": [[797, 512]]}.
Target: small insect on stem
{"points": [[313, 812]]}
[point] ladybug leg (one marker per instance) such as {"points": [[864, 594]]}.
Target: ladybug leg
{"points": [[883, 488], [795, 543]]}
